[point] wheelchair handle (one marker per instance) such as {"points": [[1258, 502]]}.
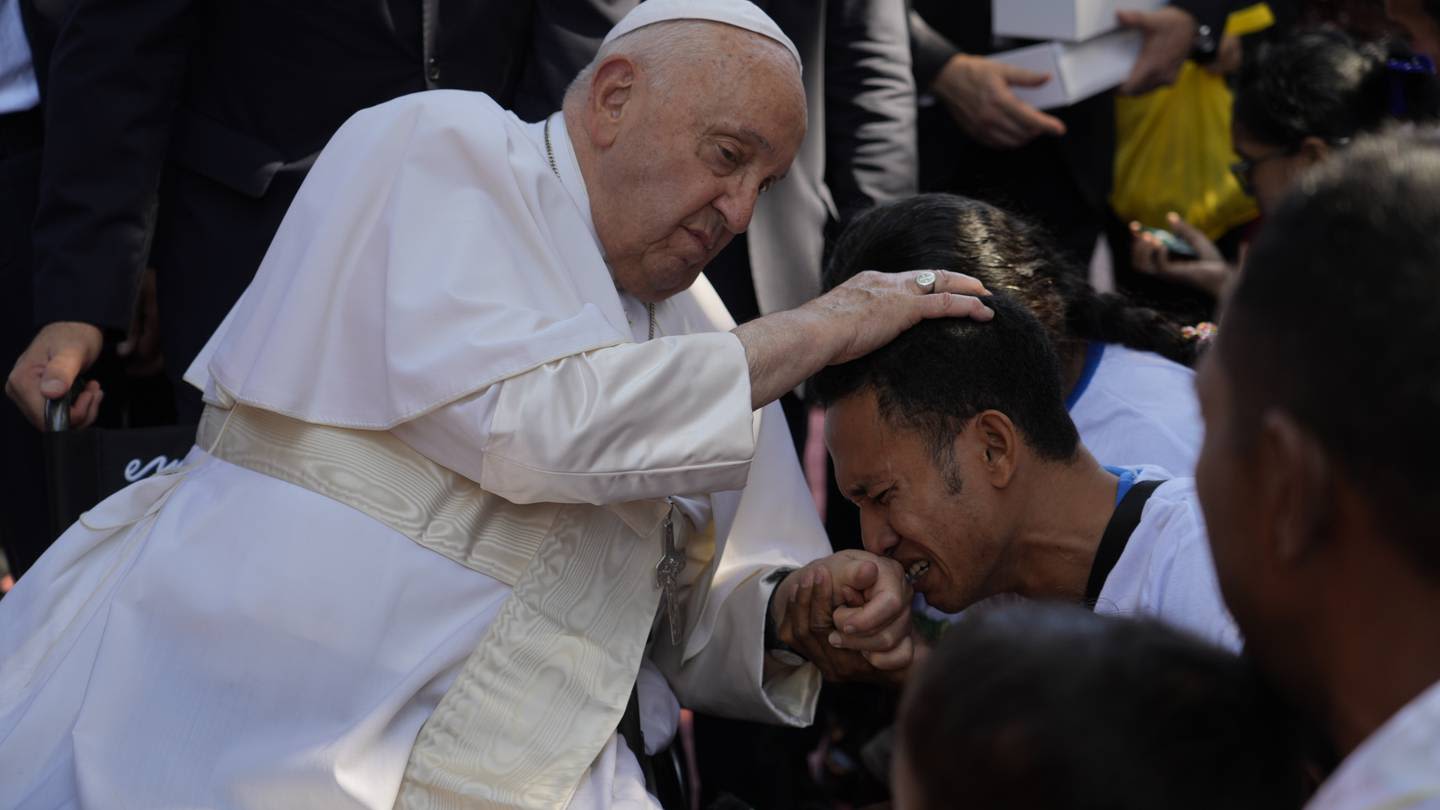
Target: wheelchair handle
{"points": [[57, 413]]}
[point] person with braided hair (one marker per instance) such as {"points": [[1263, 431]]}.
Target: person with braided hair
{"points": [[1124, 367]]}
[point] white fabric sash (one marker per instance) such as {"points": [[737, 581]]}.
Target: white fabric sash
{"points": [[544, 690]]}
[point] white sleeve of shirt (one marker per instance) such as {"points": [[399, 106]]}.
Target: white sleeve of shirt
{"points": [[629, 422]]}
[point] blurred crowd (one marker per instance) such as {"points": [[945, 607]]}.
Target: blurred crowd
{"points": [[148, 153]]}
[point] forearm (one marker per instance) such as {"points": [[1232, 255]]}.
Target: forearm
{"points": [[930, 50], [625, 423], [782, 351]]}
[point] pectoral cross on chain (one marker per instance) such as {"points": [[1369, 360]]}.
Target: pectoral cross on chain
{"points": [[667, 576]]}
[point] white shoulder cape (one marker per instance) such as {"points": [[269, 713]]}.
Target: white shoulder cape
{"points": [[430, 253]]}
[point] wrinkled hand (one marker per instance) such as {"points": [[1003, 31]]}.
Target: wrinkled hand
{"points": [[977, 93], [873, 308], [1208, 272], [48, 368], [849, 614], [1169, 34]]}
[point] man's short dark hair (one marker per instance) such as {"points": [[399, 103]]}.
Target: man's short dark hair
{"points": [[1032, 705], [1336, 321], [942, 373]]}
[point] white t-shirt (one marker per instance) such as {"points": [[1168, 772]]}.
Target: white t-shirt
{"points": [[1134, 408], [1166, 571]]}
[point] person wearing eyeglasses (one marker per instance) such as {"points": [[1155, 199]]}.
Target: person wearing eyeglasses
{"points": [[1297, 101]]}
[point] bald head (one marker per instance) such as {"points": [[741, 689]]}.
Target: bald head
{"points": [[679, 127]]}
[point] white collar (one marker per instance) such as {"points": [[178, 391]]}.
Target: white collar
{"points": [[568, 167], [566, 164]]}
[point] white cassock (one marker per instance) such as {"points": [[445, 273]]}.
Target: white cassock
{"points": [[221, 637]]}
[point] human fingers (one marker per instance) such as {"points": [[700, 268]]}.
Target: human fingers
{"points": [[1027, 118], [1204, 248], [23, 388], [1021, 77], [949, 305], [896, 659], [947, 281], [885, 600], [1131, 19], [87, 406], [67, 351], [1146, 253], [999, 132], [1211, 277], [886, 638]]}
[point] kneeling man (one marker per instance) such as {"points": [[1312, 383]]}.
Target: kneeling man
{"points": [[954, 442]]}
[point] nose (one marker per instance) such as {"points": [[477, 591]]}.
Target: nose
{"points": [[737, 204], [875, 532]]}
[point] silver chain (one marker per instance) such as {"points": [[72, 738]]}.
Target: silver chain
{"points": [[550, 154]]}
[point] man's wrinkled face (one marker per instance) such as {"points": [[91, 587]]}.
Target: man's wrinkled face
{"points": [[909, 510], [693, 154]]}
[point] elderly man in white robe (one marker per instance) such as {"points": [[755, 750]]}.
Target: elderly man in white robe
{"points": [[481, 449]]}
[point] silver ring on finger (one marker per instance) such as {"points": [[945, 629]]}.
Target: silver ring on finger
{"points": [[926, 280]]}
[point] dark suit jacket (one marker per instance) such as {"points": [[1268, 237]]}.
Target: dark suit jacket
{"points": [[859, 150], [221, 106]]}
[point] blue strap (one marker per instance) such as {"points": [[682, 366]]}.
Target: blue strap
{"points": [[1127, 477], [1094, 350]]}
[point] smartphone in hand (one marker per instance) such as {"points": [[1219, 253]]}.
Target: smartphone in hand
{"points": [[1174, 244]]}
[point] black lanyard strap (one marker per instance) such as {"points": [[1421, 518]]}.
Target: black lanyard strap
{"points": [[1117, 533]]}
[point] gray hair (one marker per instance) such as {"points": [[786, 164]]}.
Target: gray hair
{"points": [[656, 48]]}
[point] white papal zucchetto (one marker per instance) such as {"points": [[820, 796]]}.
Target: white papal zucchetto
{"points": [[739, 13]]}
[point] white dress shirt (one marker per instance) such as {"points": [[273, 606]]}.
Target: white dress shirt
{"points": [[19, 90]]}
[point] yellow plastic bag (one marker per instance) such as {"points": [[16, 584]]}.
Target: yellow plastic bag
{"points": [[1173, 148]]}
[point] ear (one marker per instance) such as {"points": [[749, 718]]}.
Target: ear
{"points": [[1313, 150], [995, 436], [1297, 488], [610, 92]]}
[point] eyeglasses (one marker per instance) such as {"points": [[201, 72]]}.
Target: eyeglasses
{"points": [[1244, 168]]}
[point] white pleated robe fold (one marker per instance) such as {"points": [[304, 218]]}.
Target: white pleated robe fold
{"points": [[215, 637]]}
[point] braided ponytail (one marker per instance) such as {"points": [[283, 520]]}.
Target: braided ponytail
{"points": [[1010, 256]]}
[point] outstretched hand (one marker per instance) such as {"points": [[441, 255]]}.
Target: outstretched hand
{"points": [[872, 308], [866, 312], [977, 93]]}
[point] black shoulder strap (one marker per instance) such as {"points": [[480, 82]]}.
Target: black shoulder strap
{"points": [[1117, 533]]}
